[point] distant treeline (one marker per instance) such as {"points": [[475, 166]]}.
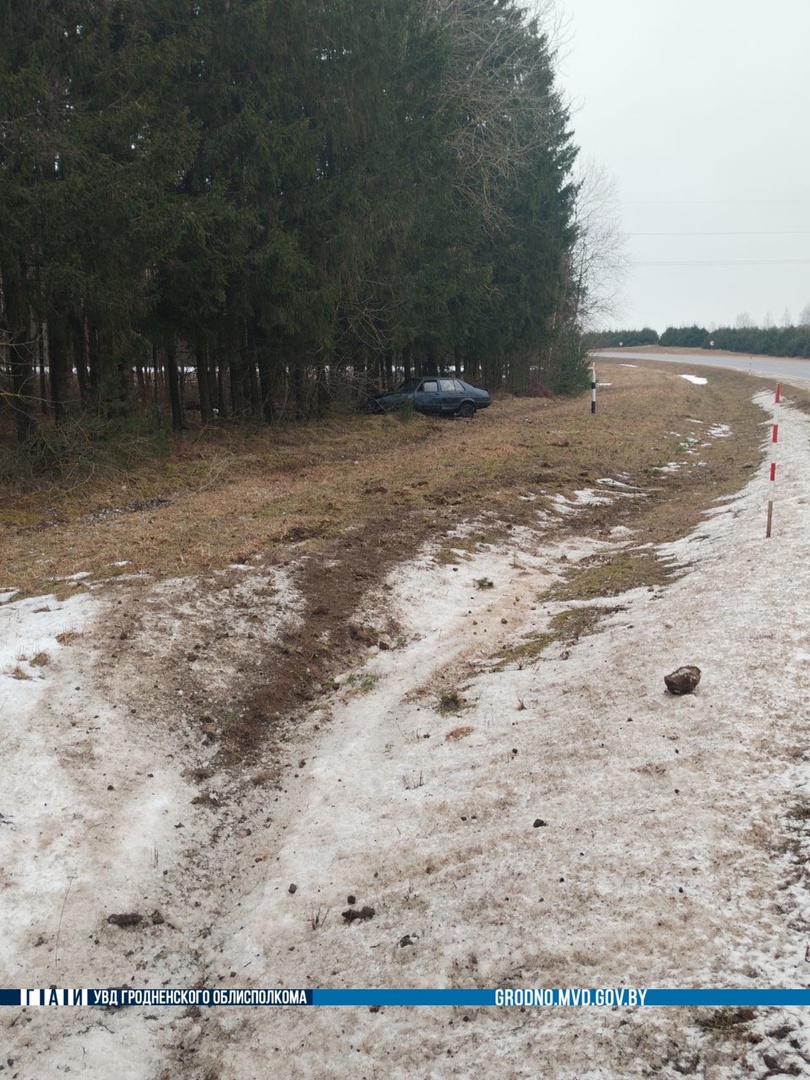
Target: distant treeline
{"points": [[609, 339], [251, 208], [767, 341]]}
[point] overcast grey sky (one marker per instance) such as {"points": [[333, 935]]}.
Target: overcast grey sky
{"points": [[701, 111]]}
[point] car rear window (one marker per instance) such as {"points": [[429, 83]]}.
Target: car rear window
{"points": [[430, 387]]}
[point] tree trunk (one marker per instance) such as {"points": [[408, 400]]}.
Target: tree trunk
{"points": [[239, 402], [222, 398], [41, 338], [173, 379], [140, 379], [430, 362], [249, 368], [124, 380], [93, 364], [298, 390], [203, 386], [57, 351], [16, 320], [322, 395], [156, 379], [79, 334], [266, 385]]}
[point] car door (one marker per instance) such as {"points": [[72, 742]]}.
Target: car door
{"points": [[426, 398], [452, 393]]}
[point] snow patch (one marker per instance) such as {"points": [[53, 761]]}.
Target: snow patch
{"points": [[589, 497], [608, 481], [581, 498], [30, 628]]}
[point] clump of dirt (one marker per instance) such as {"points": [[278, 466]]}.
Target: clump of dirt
{"points": [[362, 914], [126, 918]]}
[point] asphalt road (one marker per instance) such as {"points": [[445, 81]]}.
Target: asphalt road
{"points": [[796, 372]]}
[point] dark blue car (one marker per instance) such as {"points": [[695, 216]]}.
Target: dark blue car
{"points": [[436, 395]]}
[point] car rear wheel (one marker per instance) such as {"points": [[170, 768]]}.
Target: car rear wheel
{"points": [[466, 409]]}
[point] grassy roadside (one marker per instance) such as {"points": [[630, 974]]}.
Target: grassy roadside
{"points": [[220, 497], [341, 503]]}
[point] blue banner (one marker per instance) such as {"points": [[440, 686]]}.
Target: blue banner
{"points": [[519, 997]]}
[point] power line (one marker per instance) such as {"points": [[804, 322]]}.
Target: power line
{"points": [[769, 232], [729, 262], [718, 202]]}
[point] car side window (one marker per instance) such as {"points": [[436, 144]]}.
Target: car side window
{"points": [[447, 385], [459, 385], [430, 387]]}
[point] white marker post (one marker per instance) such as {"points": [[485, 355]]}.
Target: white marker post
{"points": [[593, 388], [772, 480]]}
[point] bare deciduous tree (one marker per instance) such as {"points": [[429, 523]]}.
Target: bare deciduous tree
{"points": [[600, 259]]}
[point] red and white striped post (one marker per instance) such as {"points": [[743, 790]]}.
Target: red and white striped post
{"points": [[772, 480]]}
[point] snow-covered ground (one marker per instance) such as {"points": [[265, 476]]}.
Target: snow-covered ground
{"points": [[671, 852]]}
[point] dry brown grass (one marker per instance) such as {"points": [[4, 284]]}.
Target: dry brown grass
{"points": [[221, 497]]}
